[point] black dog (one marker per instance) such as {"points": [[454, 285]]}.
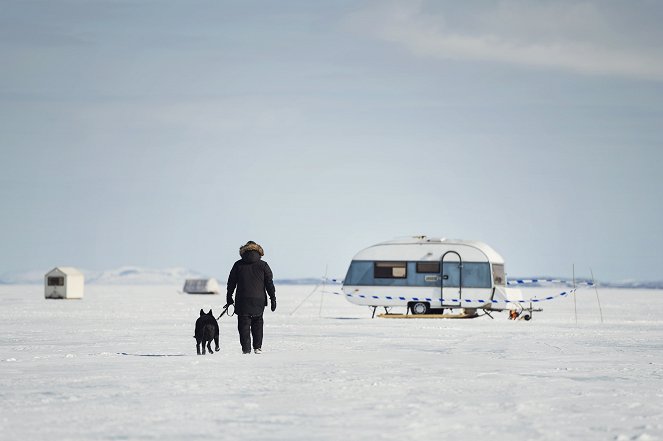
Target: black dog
{"points": [[207, 329]]}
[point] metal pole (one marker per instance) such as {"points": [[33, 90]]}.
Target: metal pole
{"points": [[322, 293], [575, 306], [460, 274], [597, 293], [305, 299]]}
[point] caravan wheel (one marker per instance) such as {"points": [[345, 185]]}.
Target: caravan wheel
{"points": [[419, 308]]}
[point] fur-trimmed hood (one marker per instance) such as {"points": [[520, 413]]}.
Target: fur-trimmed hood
{"points": [[251, 246]]}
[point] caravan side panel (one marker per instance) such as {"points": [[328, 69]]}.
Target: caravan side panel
{"points": [[366, 283]]}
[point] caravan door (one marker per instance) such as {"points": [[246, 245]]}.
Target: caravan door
{"points": [[451, 279]]}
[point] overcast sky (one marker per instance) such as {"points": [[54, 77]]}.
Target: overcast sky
{"points": [[168, 133]]}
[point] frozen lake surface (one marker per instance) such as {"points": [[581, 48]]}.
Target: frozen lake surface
{"points": [[121, 364]]}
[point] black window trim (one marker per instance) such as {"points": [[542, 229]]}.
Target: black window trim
{"points": [[428, 262], [55, 281], [397, 263]]}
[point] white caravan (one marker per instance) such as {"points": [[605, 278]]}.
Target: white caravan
{"points": [[428, 275]]}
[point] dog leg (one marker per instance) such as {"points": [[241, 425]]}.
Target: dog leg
{"points": [[198, 347], [209, 347], [216, 342]]}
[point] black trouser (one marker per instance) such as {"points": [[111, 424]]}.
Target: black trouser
{"points": [[248, 326]]}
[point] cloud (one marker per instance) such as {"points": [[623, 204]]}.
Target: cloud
{"points": [[582, 37]]}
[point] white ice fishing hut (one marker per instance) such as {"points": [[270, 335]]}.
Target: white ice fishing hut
{"points": [[201, 286], [64, 282]]}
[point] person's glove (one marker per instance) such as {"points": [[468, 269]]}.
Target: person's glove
{"points": [[229, 300], [273, 305]]}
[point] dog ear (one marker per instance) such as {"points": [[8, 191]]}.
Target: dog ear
{"points": [[210, 313], [202, 313]]}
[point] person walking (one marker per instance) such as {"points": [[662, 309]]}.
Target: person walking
{"points": [[254, 281]]}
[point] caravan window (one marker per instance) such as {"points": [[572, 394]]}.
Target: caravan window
{"points": [[56, 281], [390, 270], [428, 267]]}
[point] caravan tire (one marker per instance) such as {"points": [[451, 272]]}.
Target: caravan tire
{"points": [[419, 308]]}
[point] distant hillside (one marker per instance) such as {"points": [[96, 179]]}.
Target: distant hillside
{"points": [[23, 278], [131, 275], [625, 284], [142, 276], [127, 275], [302, 281]]}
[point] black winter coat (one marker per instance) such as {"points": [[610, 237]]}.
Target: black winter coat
{"points": [[253, 279]]}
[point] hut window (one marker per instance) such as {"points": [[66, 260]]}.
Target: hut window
{"points": [[56, 281], [428, 267], [390, 270]]}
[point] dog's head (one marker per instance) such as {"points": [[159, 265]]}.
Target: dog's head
{"points": [[202, 313]]}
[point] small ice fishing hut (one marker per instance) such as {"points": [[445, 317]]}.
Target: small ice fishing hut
{"points": [[201, 286], [64, 282]]}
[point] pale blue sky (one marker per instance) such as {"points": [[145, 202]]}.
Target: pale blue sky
{"points": [[168, 133]]}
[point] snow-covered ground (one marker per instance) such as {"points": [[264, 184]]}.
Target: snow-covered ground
{"points": [[121, 364]]}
